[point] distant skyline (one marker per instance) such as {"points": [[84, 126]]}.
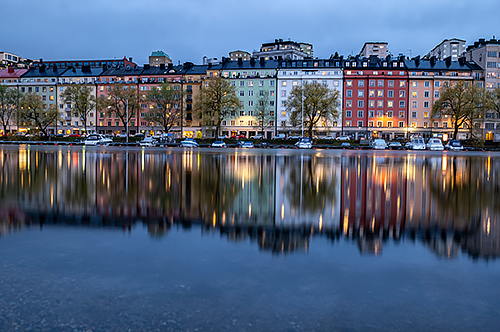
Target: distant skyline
{"points": [[191, 29]]}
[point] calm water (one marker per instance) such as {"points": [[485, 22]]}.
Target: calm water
{"points": [[116, 239]]}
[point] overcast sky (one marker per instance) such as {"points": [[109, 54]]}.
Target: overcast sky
{"points": [[189, 29]]}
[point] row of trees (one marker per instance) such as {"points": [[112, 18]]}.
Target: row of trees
{"points": [[309, 105]]}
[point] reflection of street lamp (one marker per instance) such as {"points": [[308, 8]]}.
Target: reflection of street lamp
{"points": [[126, 129]]}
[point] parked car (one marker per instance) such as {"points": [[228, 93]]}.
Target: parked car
{"points": [[148, 141], [238, 137], [395, 145], [435, 144], [379, 144], [280, 136], [219, 144], [189, 143], [122, 135], [97, 139], [294, 137], [343, 138], [246, 144], [417, 144], [345, 145], [454, 145], [257, 137], [304, 143], [328, 138], [139, 135], [221, 136]]}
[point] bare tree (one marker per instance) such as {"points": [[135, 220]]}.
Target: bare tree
{"points": [[122, 101], [34, 113], [262, 109], [167, 110], [82, 101], [9, 104], [216, 100], [311, 103]]}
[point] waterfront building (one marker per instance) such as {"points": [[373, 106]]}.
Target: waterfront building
{"points": [[129, 78], [281, 49], [454, 48], [158, 58], [255, 82], [42, 81], [375, 97], [11, 76], [293, 73], [194, 75], [426, 78], [378, 49], [150, 78], [69, 123]]}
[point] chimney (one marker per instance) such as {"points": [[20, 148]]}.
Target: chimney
{"points": [[448, 61], [240, 61], [461, 61], [11, 70], [147, 66], [262, 61], [170, 66], [162, 66], [252, 61], [417, 60], [130, 59]]}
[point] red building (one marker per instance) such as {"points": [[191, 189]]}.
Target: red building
{"points": [[375, 97]]}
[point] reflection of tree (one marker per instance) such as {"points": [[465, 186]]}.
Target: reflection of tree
{"points": [[313, 189], [462, 192]]}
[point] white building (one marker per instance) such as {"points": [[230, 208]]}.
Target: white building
{"points": [[293, 73]]}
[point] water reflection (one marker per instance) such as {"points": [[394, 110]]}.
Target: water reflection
{"points": [[277, 200]]}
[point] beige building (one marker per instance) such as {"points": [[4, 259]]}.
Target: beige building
{"points": [[243, 55], [158, 58], [426, 79], [374, 48]]}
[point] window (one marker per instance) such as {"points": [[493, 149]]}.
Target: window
{"points": [[426, 104], [437, 84], [371, 114], [414, 124], [360, 103], [380, 83], [389, 114], [426, 115], [242, 123], [348, 103], [380, 93], [402, 93], [414, 104], [492, 54], [414, 94], [250, 103], [370, 123], [360, 123], [242, 113], [414, 84], [250, 83], [348, 83], [426, 94], [436, 94], [390, 83], [372, 83], [389, 124], [427, 84], [348, 114], [401, 104], [445, 124], [283, 83], [271, 83], [294, 83], [380, 103], [379, 123], [361, 83], [361, 93], [242, 83], [491, 64], [271, 103], [283, 93], [261, 83], [250, 122], [390, 94], [436, 124], [348, 123], [379, 114], [402, 84], [401, 124], [250, 93], [348, 93], [390, 103], [242, 93], [360, 114], [371, 103], [371, 93]]}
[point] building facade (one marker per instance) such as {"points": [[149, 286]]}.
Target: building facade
{"points": [[158, 58], [378, 49], [375, 98], [281, 49], [293, 73], [454, 48]]}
